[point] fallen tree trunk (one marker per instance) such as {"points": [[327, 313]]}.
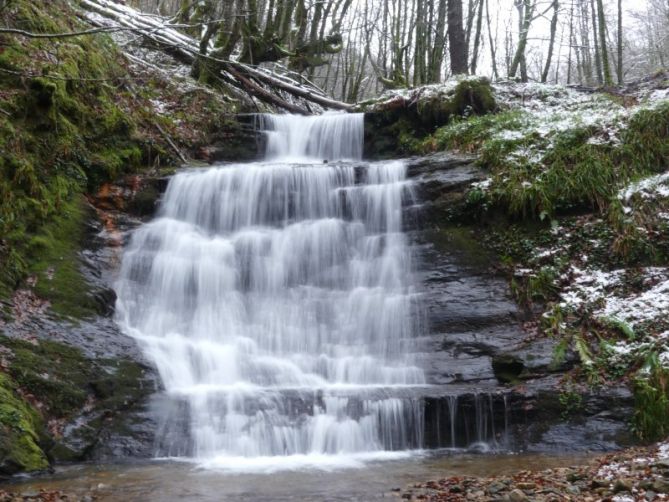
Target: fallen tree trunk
{"points": [[258, 82]]}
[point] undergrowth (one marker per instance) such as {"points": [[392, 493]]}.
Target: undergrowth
{"points": [[540, 175]]}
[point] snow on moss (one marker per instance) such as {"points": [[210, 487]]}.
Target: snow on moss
{"points": [[606, 294], [636, 308], [648, 188], [589, 287]]}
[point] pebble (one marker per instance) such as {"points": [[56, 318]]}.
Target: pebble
{"points": [[517, 496], [622, 485], [495, 487], [599, 483], [573, 490], [661, 486]]}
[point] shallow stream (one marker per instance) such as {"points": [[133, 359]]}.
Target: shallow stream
{"points": [[376, 480]]}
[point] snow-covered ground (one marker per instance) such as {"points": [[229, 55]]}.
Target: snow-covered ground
{"points": [[547, 111]]}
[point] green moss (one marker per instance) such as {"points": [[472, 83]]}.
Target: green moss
{"points": [[534, 176], [63, 379], [56, 374], [66, 133], [54, 263], [462, 241], [471, 96], [64, 382], [19, 439]]}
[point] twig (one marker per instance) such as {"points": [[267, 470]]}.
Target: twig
{"points": [[171, 143]]}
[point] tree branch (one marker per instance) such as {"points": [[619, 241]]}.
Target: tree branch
{"points": [[28, 34]]}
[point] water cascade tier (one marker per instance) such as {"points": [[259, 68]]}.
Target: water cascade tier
{"points": [[276, 300]]}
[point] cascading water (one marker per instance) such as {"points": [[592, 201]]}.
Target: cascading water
{"points": [[276, 302]]}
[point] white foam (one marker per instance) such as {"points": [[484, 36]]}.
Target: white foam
{"points": [[276, 302]]}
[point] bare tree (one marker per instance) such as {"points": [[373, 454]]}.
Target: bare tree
{"points": [[619, 65], [551, 42], [606, 68], [477, 37], [456, 38]]}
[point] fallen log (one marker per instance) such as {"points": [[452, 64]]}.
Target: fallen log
{"points": [[261, 83]]}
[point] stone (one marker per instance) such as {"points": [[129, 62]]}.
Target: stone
{"points": [[526, 486], [599, 483], [573, 490], [622, 485], [517, 496], [661, 485], [507, 368], [646, 484], [650, 495], [495, 487]]}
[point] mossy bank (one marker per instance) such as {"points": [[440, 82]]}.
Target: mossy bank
{"points": [[75, 114]]}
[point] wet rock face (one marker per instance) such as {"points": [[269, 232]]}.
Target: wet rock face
{"points": [[474, 345], [507, 368], [237, 140], [89, 380], [470, 314]]}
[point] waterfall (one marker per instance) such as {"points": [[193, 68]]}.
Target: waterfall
{"points": [[275, 300], [332, 136]]}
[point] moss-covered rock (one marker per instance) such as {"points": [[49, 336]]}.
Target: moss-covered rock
{"points": [[79, 397], [397, 121], [20, 428]]}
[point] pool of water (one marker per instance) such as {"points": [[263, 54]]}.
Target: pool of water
{"points": [[357, 480]]}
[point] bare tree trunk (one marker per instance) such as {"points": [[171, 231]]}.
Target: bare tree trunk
{"points": [[493, 48], [571, 43], [598, 59], [456, 38], [584, 28], [471, 9], [619, 66], [477, 38], [606, 68], [437, 53], [525, 10], [551, 43]]}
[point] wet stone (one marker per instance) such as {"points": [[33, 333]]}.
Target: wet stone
{"points": [[517, 496], [661, 486], [622, 485], [495, 488], [573, 490]]}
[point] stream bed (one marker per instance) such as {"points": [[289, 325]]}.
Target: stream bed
{"points": [[376, 480]]}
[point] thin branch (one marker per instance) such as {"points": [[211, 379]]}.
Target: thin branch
{"points": [[28, 34]]}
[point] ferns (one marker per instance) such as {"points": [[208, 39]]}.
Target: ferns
{"points": [[651, 395]]}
